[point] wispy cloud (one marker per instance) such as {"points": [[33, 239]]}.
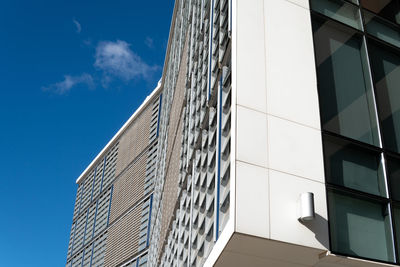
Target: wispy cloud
{"points": [[149, 42], [77, 25], [116, 59], [69, 82]]}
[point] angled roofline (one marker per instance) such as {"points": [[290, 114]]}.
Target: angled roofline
{"points": [[121, 131], [146, 101]]}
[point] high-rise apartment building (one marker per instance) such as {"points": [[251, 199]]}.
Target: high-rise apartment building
{"points": [[276, 142]]}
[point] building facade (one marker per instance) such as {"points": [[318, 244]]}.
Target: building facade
{"points": [[113, 203], [263, 101]]}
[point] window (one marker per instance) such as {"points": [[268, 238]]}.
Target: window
{"points": [[357, 53], [385, 64], [388, 9], [339, 10], [393, 169], [361, 227], [382, 29], [344, 82], [354, 167]]}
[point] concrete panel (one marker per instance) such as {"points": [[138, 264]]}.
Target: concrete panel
{"points": [[252, 200], [291, 76], [251, 142], [251, 90], [285, 190], [295, 149]]}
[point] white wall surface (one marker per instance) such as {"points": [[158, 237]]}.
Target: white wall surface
{"points": [[278, 138]]}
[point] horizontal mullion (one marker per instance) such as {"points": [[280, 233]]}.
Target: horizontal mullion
{"points": [[359, 194]]}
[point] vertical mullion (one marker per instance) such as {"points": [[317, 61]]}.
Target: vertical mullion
{"points": [[95, 215], [149, 221], [210, 40], [109, 205], [84, 232], [218, 176], [191, 217], [94, 181], [102, 175], [371, 77], [159, 113], [73, 241], [91, 256], [80, 198], [391, 211], [380, 134]]}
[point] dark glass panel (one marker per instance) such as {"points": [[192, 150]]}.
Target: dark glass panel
{"points": [[350, 166], [385, 65], [360, 227], [396, 216], [388, 9], [393, 173], [382, 29], [338, 10], [344, 84]]}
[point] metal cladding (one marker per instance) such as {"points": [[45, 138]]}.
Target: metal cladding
{"points": [[158, 194], [113, 204], [200, 184]]}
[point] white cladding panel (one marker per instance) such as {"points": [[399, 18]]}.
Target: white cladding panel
{"points": [[278, 137]]}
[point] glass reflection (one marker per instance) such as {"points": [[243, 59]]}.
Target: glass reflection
{"points": [[385, 65], [388, 9], [393, 172], [353, 167], [338, 10], [344, 83], [382, 29], [360, 227]]}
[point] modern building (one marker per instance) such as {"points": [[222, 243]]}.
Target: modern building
{"points": [[276, 143], [114, 197]]}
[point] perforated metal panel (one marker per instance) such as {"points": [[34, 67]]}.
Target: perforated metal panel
{"points": [[178, 146], [99, 248], [110, 167], [87, 255], [204, 177]]}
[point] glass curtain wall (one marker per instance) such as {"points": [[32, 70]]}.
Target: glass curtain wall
{"points": [[357, 53]]}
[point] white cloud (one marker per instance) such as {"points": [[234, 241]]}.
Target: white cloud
{"points": [[69, 82], [77, 25], [116, 59]]}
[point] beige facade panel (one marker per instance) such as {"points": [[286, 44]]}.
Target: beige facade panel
{"points": [[134, 140], [129, 187], [170, 192], [123, 238]]}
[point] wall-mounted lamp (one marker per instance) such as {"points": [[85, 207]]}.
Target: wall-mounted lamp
{"points": [[305, 208]]}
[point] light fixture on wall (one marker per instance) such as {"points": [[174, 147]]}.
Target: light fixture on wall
{"points": [[305, 207]]}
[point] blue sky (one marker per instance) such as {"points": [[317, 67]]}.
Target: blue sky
{"points": [[71, 73]]}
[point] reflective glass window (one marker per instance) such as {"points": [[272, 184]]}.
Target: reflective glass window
{"points": [[396, 215], [360, 227], [338, 10], [382, 29], [353, 167], [344, 83], [393, 172], [385, 65], [388, 9]]}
